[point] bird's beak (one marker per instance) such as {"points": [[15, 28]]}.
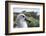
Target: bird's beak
{"points": [[27, 19]]}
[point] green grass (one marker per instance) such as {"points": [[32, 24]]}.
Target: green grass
{"points": [[33, 22]]}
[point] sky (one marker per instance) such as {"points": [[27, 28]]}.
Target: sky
{"points": [[19, 10]]}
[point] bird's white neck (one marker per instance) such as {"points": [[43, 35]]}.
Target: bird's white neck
{"points": [[23, 24]]}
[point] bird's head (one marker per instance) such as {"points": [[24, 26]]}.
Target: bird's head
{"points": [[22, 17]]}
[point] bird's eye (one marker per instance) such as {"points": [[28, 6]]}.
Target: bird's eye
{"points": [[23, 16]]}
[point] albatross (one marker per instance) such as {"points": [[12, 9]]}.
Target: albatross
{"points": [[21, 21]]}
